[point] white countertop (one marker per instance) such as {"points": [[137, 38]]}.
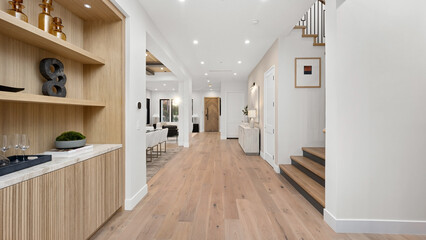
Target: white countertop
{"points": [[55, 164]]}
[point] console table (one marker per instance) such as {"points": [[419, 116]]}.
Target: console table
{"points": [[248, 139]]}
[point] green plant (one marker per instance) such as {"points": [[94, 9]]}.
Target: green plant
{"points": [[245, 110], [70, 136]]}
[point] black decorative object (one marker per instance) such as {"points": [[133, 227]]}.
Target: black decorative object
{"points": [[56, 79], [139, 105], [10, 89], [18, 163]]}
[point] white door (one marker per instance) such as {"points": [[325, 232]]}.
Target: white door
{"points": [[269, 116], [234, 116]]}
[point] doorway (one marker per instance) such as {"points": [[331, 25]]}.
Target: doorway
{"points": [[211, 114], [269, 116]]}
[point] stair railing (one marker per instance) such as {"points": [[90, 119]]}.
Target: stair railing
{"points": [[314, 21]]}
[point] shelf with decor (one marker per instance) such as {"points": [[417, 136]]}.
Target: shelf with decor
{"points": [[25, 32], [33, 98], [87, 71]]}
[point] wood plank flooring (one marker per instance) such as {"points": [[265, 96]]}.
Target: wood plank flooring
{"points": [[213, 191]]}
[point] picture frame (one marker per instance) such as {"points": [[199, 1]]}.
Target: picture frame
{"points": [[307, 72]]}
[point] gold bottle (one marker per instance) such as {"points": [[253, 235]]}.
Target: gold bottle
{"points": [[45, 20], [57, 28], [16, 10]]}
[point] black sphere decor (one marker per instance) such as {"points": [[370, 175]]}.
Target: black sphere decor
{"points": [[53, 71]]}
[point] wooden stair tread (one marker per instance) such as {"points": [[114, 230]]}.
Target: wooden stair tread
{"points": [[319, 44], [314, 189], [310, 35], [312, 166], [316, 151], [299, 27]]}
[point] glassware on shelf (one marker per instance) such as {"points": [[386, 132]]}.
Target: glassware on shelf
{"points": [[16, 10], [24, 144], [57, 28], [45, 20], [15, 144], [5, 145]]}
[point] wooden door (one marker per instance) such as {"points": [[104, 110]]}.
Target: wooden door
{"points": [[211, 114]]}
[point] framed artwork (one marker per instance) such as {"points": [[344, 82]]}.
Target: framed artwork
{"points": [[307, 72]]}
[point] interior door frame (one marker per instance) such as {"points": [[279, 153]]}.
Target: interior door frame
{"points": [[218, 112], [227, 115], [269, 159]]}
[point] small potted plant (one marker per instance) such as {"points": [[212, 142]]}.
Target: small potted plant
{"points": [[70, 139], [245, 113]]}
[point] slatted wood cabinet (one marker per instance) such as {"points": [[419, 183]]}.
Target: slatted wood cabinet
{"points": [[70, 203]]}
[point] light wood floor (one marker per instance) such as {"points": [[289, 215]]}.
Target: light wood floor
{"points": [[213, 191]]}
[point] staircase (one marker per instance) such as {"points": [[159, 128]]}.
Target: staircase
{"points": [[307, 174], [312, 23]]}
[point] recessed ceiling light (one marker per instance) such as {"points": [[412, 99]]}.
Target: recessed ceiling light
{"points": [[206, 74], [247, 41], [235, 74], [162, 68], [202, 62], [181, 0], [155, 89], [164, 84], [146, 54], [195, 42], [87, 5], [208, 80], [239, 62], [173, 89], [255, 21]]}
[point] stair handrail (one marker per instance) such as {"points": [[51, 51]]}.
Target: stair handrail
{"points": [[314, 21]]}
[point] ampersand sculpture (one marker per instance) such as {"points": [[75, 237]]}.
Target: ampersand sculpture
{"points": [[53, 71]]}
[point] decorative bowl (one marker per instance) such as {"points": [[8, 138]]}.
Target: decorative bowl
{"points": [[70, 144]]}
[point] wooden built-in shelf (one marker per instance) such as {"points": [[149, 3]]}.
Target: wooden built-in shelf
{"points": [[101, 10], [25, 32], [33, 98]]}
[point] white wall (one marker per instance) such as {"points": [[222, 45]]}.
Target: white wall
{"points": [[135, 170], [230, 86], [198, 97], [301, 111], [148, 94], [140, 31], [376, 118]]}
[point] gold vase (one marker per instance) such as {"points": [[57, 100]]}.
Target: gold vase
{"points": [[45, 20], [16, 10], [57, 28]]}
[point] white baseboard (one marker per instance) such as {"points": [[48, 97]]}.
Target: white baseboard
{"points": [[130, 203], [374, 225], [272, 163], [222, 136]]}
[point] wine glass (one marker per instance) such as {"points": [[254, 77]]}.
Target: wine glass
{"points": [[15, 144], [4, 161], [24, 144]]}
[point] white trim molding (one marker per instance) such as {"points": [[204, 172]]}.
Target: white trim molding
{"points": [[130, 203], [270, 162], [377, 226]]}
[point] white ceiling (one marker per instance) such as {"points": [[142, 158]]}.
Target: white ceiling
{"points": [[221, 27], [166, 81]]}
